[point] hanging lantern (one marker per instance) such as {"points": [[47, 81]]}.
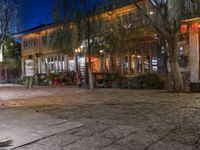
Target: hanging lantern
{"points": [[195, 27], [184, 28]]}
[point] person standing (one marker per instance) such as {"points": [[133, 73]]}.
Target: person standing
{"points": [[78, 78], [29, 67]]}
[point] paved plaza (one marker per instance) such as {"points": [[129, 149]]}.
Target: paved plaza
{"points": [[67, 118]]}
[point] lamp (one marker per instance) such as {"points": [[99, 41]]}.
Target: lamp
{"points": [[184, 28]]}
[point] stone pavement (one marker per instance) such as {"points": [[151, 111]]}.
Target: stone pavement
{"points": [[106, 119], [10, 92], [24, 127]]}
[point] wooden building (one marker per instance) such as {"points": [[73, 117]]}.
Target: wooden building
{"points": [[142, 51]]}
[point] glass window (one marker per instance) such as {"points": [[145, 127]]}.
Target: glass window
{"points": [[105, 25], [132, 18], [125, 20], [24, 44]]}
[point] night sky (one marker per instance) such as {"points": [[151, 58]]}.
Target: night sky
{"points": [[35, 12]]}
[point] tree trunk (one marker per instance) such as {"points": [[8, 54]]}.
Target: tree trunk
{"points": [[129, 62], [177, 77], [166, 71], [91, 80], [111, 62], [178, 85]]}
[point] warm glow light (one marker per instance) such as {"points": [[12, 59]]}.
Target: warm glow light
{"points": [[184, 28], [78, 50], [195, 27], [151, 12], [101, 51]]}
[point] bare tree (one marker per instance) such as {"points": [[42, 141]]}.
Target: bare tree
{"points": [[168, 15], [8, 12]]}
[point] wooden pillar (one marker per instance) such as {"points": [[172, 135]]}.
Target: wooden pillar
{"points": [[47, 65], [51, 62], [61, 63], [57, 62], [109, 62], [104, 62], [44, 65], [194, 55], [39, 65], [102, 68], [129, 62], [142, 61], [136, 61], [54, 64], [66, 62], [150, 58], [22, 67], [76, 62]]}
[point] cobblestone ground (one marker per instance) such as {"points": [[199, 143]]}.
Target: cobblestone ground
{"points": [[113, 119]]}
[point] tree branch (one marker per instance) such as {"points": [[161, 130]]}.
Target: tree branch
{"points": [[149, 19], [5, 22]]}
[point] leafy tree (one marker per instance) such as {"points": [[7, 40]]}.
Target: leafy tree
{"points": [[81, 13], [11, 53], [115, 39]]}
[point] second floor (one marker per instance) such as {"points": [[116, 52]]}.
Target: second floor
{"points": [[38, 40]]}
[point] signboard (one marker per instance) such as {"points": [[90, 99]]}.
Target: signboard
{"points": [[29, 66]]}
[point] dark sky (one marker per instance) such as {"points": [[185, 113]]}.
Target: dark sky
{"points": [[35, 12]]}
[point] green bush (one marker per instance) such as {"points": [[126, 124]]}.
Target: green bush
{"points": [[110, 79], [147, 81]]}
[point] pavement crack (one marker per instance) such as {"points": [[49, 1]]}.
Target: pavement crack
{"points": [[197, 108], [161, 138], [115, 142], [44, 138]]}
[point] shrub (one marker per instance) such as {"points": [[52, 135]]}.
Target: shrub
{"points": [[147, 81], [110, 79]]}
